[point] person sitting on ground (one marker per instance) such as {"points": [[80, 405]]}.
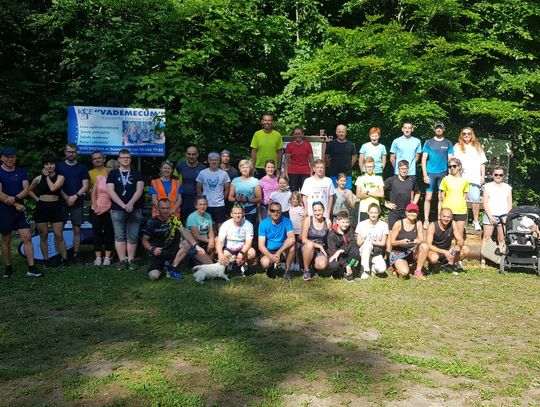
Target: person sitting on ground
{"points": [[371, 239], [439, 238], [201, 225], [161, 238], [314, 231], [408, 246], [342, 248], [235, 239], [276, 238]]}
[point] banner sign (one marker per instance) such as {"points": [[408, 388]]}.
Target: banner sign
{"points": [[111, 129]]}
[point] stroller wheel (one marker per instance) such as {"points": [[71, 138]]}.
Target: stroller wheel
{"points": [[502, 265]]}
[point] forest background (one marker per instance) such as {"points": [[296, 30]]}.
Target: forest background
{"points": [[217, 65]]}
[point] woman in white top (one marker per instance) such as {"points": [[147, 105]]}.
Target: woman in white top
{"points": [[497, 202], [473, 161]]}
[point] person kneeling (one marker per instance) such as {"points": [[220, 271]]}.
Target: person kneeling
{"points": [[439, 239], [161, 238], [371, 238], [276, 238], [342, 248], [314, 232], [235, 237]]}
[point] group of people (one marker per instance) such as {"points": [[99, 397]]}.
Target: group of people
{"points": [[282, 206]]}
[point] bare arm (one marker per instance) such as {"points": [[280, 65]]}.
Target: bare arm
{"points": [[232, 194], [310, 161], [361, 162], [393, 159], [199, 188], [394, 234], [253, 156], [383, 161], [353, 160], [33, 186], [114, 196], [286, 163], [194, 230], [424, 167], [187, 236]]}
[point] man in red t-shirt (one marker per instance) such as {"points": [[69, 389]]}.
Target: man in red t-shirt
{"points": [[298, 160]]}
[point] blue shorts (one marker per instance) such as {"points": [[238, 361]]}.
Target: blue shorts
{"points": [[435, 181], [498, 221], [11, 220], [348, 185], [474, 193]]}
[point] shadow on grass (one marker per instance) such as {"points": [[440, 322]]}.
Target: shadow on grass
{"points": [[99, 336]]}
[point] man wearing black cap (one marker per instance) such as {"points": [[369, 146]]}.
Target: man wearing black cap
{"points": [[14, 187], [435, 155]]}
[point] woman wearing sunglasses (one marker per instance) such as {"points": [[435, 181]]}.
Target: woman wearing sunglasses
{"points": [[497, 202], [454, 189]]}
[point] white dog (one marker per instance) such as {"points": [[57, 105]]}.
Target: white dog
{"points": [[209, 271]]}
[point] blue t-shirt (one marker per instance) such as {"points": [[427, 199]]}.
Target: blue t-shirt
{"points": [[376, 152], [406, 149], [189, 176], [74, 176], [437, 160], [246, 187], [12, 182], [203, 223], [275, 234], [167, 185]]}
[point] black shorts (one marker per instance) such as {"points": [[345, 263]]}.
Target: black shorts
{"points": [[11, 220], [460, 218], [73, 213], [158, 262], [49, 212], [218, 213]]}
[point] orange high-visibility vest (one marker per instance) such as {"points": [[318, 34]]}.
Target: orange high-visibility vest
{"points": [[157, 184]]}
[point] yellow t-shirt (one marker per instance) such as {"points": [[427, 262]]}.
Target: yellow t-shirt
{"points": [[454, 194], [94, 174], [369, 182], [267, 145]]}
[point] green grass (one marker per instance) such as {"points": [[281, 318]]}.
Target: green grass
{"points": [[96, 336]]}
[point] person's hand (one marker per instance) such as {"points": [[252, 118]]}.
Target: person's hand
{"points": [[157, 251], [323, 251], [415, 241], [10, 200], [276, 258], [492, 220], [390, 205], [71, 200], [19, 207], [223, 259], [210, 247], [199, 249], [45, 172], [334, 257], [449, 256], [128, 207], [426, 179], [482, 180]]}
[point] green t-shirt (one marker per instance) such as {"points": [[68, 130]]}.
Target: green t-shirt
{"points": [[267, 145], [369, 182]]}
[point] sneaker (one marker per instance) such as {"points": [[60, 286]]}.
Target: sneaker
{"points": [[455, 273], [243, 269], [75, 257], [121, 265], [98, 261], [287, 276], [364, 276], [270, 273], [8, 272], [306, 276], [350, 278], [107, 261], [477, 226], [459, 266], [63, 263], [34, 272], [175, 274], [130, 265], [419, 275], [48, 264], [426, 224]]}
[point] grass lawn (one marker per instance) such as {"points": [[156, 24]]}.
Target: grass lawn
{"points": [[91, 336]]}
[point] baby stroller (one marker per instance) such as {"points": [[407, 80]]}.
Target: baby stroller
{"points": [[521, 234]]}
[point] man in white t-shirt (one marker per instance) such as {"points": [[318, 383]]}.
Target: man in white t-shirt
{"points": [[369, 189], [214, 183], [234, 241], [371, 236], [318, 188]]}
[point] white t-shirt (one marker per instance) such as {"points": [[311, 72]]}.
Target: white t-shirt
{"points": [[282, 198], [214, 185], [374, 231], [317, 189], [235, 236], [498, 197], [471, 161]]}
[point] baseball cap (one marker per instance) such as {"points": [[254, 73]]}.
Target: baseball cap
{"points": [[438, 124], [9, 151], [412, 207]]}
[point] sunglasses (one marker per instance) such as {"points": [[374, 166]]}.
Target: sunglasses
{"points": [[275, 210], [498, 175], [453, 166]]}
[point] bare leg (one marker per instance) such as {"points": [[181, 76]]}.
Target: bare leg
{"points": [[307, 253], [6, 252], [402, 267], [476, 211], [427, 204], [76, 238], [181, 254], [59, 238], [131, 251], [421, 255], [26, 238], [43, 230], [121, 249], [290, 257]]}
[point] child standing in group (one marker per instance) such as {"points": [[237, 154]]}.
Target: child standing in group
{"points": [[269, 184], [297, 212], [344, 199], [282, 195]]}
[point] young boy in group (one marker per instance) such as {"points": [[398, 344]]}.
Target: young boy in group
{"points": [[342, 248], [375, 150]]}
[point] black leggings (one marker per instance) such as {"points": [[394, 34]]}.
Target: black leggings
{"points": [[296, 181], [103, 231], [337, 267]]}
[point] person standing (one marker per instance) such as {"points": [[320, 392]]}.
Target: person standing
{"points": [[188, 170], [246, 191], [214, 183], [472, 156], [453, 189], [76, 183], [407, 148], [369, 189], [225, 165], [166, 187], [375, 150], [435, 155], [298, 160], [14, 187], [125, 186], [400, 190], [266, 144], [340, 156], [318, 188]]}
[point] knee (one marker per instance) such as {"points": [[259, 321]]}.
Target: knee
{"points": [[433, 258], [265, 262], [251, 254], [423, 247], [465, 250], [321, 263]]}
